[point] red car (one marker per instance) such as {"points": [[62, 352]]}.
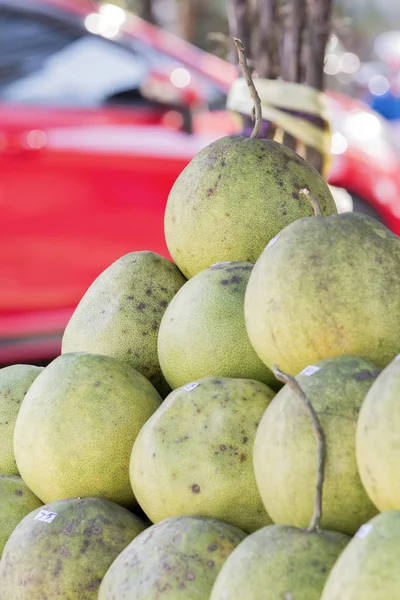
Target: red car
{"points": [[99, 113]]}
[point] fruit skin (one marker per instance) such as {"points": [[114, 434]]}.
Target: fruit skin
{"points": [[368, 568], [235, 196], [177, 558], [16, 501], [76, 427], [15, 381], [120, 313], [68, 557], [194, 455], [277, 563], [377, 439], [326, 287], [203, 333], [285, 449]]}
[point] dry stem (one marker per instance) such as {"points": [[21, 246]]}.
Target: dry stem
{"points": [[253, 92], [313, 201], [319, 434]]}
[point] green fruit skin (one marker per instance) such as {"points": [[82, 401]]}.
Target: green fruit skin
{"points": [[285, 449], [203, 333], [14, 383], [277, 563], [377, 439], [177, 558], [120, 313], [67, 558], [327, 287], [194, 456], [234, 197], [368, 568], [76, 426], [16, 501]]}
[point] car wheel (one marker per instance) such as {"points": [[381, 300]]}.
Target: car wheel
{"points": [[359, 205]]}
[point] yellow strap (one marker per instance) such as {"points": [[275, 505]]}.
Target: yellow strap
{"points": [[276, 95]]}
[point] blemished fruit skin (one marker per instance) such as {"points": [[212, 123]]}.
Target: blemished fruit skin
{"points": [[63, 550], [194, 455], [377, 439], [15, 381], [279, 563], [177, 558], [120, 313], [368, 568], [203, 333], [16, 501], [285, 449], [76, 427], [326, 287], [233, 197]]}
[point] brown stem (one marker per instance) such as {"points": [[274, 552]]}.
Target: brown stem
{"points": [[313, 201], [319, 434], [253, 92], [292, 51], [240, 18], [318, 29]]}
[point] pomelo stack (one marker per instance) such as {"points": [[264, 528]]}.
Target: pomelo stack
{"points": [[223, 425]]}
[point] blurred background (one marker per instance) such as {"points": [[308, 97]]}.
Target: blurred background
{"points": [[103, 104]]}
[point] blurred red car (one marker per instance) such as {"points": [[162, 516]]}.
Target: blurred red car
{"points": [[99, 113]]}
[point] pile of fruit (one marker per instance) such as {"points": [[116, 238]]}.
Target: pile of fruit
{"points": [[225, 426]]}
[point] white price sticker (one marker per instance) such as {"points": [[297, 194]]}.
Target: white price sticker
{"points": [[310, 370], [46, 516], [364, 530], [274, 239], [190, 386]]}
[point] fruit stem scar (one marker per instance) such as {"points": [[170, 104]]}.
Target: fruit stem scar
{"points": [[319, 434], [257, 111], [313, 201]]}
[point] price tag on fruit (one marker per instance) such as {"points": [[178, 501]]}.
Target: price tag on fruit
{"points": [[46, 516], [310, 370]]}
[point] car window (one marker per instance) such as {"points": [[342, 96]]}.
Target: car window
{"points": [[43, 61]]}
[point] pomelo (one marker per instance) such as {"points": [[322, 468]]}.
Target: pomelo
{"points": [[16, 501], [279, 562], [194, 455], [368, 568], [177, 558], [326, 287], [63, 550], [76, 427], [203, 333], [285, 449], [235, 196], [15, 381], [120, 313], [377, 439]]}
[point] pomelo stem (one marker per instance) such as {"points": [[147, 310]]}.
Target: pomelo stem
{"points": [[319, 434], [257, 112], [313, 201]]}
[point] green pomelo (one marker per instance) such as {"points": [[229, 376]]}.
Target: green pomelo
{"points": [[285, 449], [203, 333], [16, 501], [279, 563], [326, 287], [120, 313], [14, 383], [235, 196], [76, 427], [177, 558], [377, 439], [368, 568], [63, 550], [194, 455]]}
